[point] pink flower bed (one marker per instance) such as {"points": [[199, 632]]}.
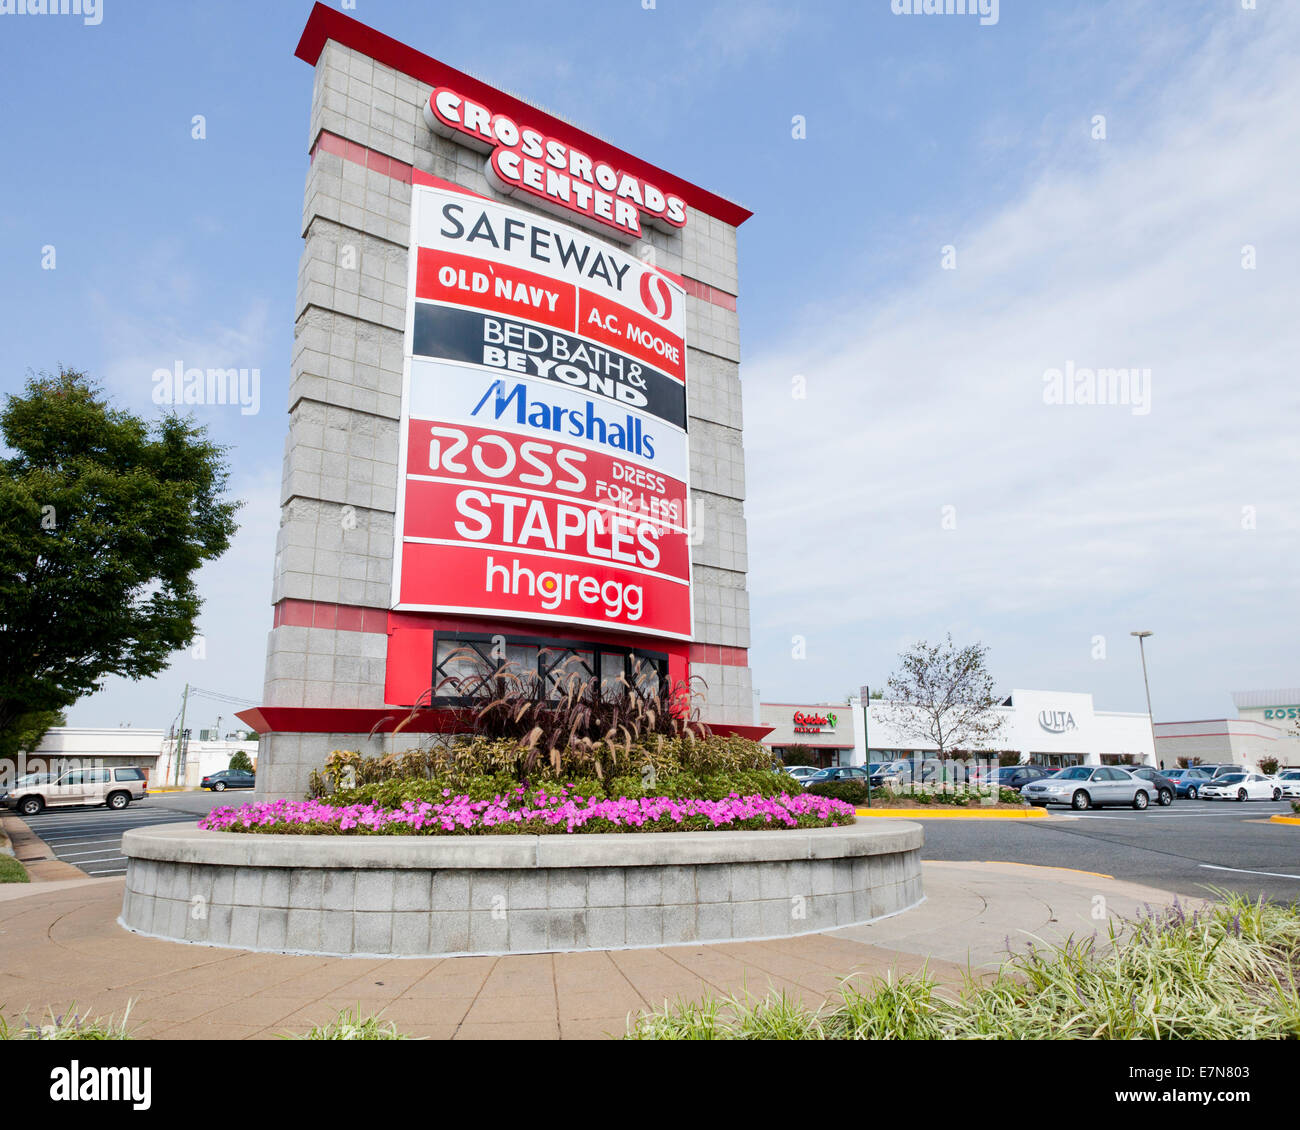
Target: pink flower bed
{"points": [[533, 813]]}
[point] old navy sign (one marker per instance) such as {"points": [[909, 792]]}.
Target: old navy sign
{"points": [[551, 174]]}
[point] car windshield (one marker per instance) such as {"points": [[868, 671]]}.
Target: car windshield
{"points": [[1231, 778], [1076, 773]]}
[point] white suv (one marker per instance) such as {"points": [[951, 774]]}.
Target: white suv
{"points": [[115, 787]]}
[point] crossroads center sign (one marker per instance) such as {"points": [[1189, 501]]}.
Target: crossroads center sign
{"points": [[545, 460]]}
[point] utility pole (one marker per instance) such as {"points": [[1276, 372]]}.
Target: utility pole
{"points": [[180, 741], [1155, 749], [865, 692]]}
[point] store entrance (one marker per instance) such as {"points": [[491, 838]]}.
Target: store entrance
{"points": [[1058, 760]]}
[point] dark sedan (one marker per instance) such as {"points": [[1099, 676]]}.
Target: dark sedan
{"points": [[228, 779], [839, 773], [1017, 776], [1165, 786]]}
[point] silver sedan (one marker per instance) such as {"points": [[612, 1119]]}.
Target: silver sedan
{"points": [[1090, 786]]}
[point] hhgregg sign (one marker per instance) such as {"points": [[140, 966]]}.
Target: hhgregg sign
{"points": [[543, 425]]}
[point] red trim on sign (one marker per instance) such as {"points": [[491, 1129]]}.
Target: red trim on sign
{"points": [[327, 23]]}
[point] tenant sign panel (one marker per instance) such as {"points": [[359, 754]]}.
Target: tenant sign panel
{"points": [[545, 463]]}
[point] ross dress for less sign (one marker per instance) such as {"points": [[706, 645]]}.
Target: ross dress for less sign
{"points": [[545, 458]]}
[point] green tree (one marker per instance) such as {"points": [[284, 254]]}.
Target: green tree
{"points": [[240, 760], [799, 755], [104, 520], [943, 694], [27, 730]]}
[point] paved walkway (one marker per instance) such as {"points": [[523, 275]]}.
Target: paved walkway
{"points": [[62, 945]]}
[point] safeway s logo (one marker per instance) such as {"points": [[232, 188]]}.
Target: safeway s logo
{"points": [[657, 296]]}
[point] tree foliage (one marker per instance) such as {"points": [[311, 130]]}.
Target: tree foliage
{"points": [[943, 694], [240, 760], [104, 520]]}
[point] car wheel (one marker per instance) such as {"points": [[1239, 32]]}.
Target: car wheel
{"points": [[118, 801], [1277, 794], [1193, 792], [219, 787], [1080, 801], [1166, 798], [1140, 800], [1241, 794], [31, 806]]}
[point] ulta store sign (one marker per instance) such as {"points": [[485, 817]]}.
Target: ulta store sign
{"points": [[1057, 721]]}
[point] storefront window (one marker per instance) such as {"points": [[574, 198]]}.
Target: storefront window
{"points": [[460, 660]]}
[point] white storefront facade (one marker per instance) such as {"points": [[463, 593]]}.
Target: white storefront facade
{"points": [[68, 747], [1267, 727], [1046, 727]]}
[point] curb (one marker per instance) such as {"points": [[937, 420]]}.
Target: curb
{"points": [[956, 814], [1284, 820]]}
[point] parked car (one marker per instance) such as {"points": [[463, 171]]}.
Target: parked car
{"points": [[1188, 782], [1242, 786], [1090, 786], [1289, 781], [113, 787], [800, 773], [839, 773], [1017, 776], [891, 774], [1166, 790], [225, 779]]}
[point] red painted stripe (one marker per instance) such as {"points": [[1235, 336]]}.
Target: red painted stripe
{"points": [[326, 23], [336, 617], [719, 654]]}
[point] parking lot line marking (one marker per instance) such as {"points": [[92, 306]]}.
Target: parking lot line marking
{"points": [[1246, 871], [98, 856], [82, 843]]}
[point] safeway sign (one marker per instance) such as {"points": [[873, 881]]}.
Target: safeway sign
{"points": [[545, 451]]}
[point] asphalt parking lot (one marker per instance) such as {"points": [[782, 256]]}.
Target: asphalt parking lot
{"points": [[1188, 847], [91, 838]]}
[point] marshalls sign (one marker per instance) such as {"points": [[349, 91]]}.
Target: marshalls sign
{"points": [[543, 425]]}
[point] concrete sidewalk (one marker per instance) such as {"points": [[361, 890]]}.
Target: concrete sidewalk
{"points": [[62, 945]]}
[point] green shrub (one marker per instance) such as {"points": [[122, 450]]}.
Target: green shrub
{"points": [[473, 758], [1226, 973], [349, 1025], [851, 792], [396, 791]]}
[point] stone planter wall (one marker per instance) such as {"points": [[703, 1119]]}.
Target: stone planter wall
{"points": [[434, 896]]}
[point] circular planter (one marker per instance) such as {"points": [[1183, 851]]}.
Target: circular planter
{"points": [[438, 896]]}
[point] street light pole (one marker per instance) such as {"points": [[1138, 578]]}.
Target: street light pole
{"points": [[1155, 749], [865, 692]]}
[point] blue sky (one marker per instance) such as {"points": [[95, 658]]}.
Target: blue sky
{"points": [[923, 485]]}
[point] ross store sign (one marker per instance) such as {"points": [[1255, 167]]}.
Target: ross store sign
{"points": [[806, 723], [545, 453], [553, 175], [1278, 713], [1056, 721]]}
